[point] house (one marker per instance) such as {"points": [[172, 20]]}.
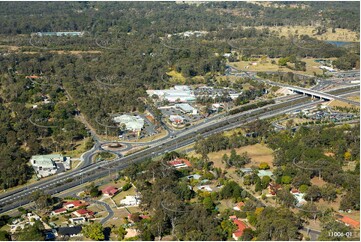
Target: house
{"points": [[205, 187], [32, 217], [217, 106], [232, 217], [299, 198], [239, 206], [130, 201], [58, 211], [69, 231], [18, 224], [180, 163], [326, 68], [84, 213], [79, 220], [110, 191], [294, 191], [262, 173], [74, 204], [273, 188], [246, 170], [348, 221], [195, 177], [241, 226]]}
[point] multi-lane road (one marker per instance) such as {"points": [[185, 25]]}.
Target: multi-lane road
{"points": [[89, 172]]}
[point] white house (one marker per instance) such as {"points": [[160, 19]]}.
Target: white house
{"points": [[130, 201]]}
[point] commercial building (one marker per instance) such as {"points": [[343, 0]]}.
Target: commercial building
{"points": [[46, 165], [132, 123], [186, 108], [180, 93], [176, 119]]}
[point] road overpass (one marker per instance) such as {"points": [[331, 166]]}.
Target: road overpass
{"points": [[314, 93]]}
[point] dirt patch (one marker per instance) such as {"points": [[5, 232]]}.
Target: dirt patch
{"points": [[258, 153], [329, 154], [337, 103], [334, 205], [318, 182]]}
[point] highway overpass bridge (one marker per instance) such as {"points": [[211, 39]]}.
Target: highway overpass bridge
{"points": [[314, 93]]}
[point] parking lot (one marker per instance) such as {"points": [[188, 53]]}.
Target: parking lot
{"points": [[332, 116], [188, 118]]}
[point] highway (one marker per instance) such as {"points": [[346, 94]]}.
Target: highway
{"points": [[19, 197]]}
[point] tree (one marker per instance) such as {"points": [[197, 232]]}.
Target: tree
{"points": [[4, 236], [94, 231], [225, 159], [282, 61], [32, 232], [258, 186], [313, 193], [263, 166], [347, 156], [42, 200], [126, 186], [286, 197], [351, 200], [228, 227], [208, 203], [303, 188], [265, 181], [248, 235], [277, 224], [328, 192], [330, 227], [286, 179], [120, 232], [94, 191]]}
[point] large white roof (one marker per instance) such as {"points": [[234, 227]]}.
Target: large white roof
{"points": [[134, 123]]}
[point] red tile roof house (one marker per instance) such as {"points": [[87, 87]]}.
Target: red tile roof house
{"points": [[84, 213], [110, 191], [295, 191], [273, 188], [349, 221], [241, 226], [239, 206], [180, 163], [74, 204], [59, 211]]}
